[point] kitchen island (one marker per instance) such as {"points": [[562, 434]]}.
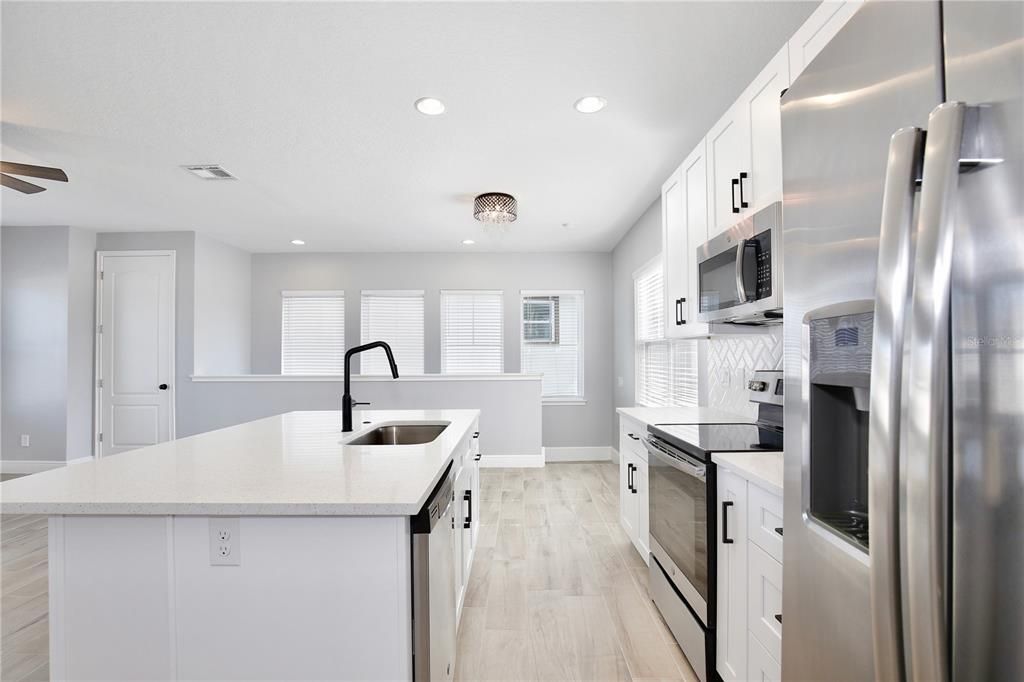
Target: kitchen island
{"points": [[269, 550]]}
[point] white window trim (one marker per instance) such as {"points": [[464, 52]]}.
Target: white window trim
{"points": [[581, 399], [441, 316]]}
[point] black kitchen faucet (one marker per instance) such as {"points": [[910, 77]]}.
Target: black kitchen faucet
{"points": [[346, 400]]}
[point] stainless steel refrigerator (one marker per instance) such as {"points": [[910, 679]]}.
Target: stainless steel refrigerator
{"points": [[903, 215]]}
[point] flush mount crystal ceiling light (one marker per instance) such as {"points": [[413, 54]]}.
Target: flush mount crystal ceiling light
{"points": [[430, 106], [495, 207], [591, 104]]}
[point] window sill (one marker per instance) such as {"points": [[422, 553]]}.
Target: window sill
{"points": [[563, 401]]}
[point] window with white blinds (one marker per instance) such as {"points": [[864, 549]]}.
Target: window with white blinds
{"points": [[471, 332], [666, 370], [312, 332], [395, 317], [552, 341]]}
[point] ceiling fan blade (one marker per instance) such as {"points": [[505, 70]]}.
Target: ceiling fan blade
{"points": [[20, 185], [44, 172]]}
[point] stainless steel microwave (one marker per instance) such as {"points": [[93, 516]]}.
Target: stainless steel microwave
{"points": [[739, 272]]}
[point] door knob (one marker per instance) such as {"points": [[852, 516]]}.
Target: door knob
{"points": [[162, 387]]}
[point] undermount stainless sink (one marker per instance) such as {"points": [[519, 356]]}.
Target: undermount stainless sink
{"points": [[400, 434]]}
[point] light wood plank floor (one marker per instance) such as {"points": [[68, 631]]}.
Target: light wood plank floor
{"points": [[24, 626], [557, 590]]}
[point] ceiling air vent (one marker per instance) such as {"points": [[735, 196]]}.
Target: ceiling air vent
{"points": [[209, 172]]}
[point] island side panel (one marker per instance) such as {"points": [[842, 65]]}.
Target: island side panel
{"points": [[110, 598], [313, 597]]}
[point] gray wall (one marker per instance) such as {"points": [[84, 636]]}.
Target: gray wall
{"points": [[564, 425], [636, 249], [47, 342], [81, 341], [35, 336], [510, 409], [223, 324]]}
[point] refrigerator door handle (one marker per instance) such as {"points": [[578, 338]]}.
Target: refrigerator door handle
{"points": [[892, 291], [928, 400]]}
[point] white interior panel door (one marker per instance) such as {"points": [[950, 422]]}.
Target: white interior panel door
{"points": [[136, 341]]}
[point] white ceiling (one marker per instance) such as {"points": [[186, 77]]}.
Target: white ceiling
{"points": [[310, 106]]}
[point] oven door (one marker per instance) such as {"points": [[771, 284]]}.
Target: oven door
{"points": [[678, 486]]}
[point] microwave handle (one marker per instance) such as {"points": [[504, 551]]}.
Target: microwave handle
{"points": [[741, 286]]}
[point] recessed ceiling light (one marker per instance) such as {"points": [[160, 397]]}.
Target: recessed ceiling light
{"points": [[468, 242], [591, 104], [430, 106], [298, 242]]}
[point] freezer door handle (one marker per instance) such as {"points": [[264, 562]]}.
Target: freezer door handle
{"points": [[892, 291], [928, 398]]}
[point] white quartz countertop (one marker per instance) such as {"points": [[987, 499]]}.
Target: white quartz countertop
{"points": [[763, 469], [681, 415], [294, 464]]}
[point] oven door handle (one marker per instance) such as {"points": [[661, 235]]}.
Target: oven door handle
{"points": [[680, 461]]}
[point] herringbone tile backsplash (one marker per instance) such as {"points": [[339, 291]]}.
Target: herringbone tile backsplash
{"points": [[730, 361]]}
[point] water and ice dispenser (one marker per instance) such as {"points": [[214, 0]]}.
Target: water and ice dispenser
{"points": [[839, 387]]}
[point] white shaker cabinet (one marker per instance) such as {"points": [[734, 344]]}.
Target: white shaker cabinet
{"points": [[675, 268], [731, 536], [728, 154], [749, 572], [634, 512], [745, 149], [823, 24], [762, 111], [466, 467], [684, 228]]}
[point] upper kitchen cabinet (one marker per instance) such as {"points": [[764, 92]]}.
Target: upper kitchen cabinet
{"points": [[763, 111], [815, 33], [727, 156], [684, 225], [744, 149]]}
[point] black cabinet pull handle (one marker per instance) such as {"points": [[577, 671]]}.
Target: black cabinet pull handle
{"points": [[476, 435], [478, 456], [679, 311], [743, 202], [779, 531], [629, 477], [735, 209], [468, 497], [634, 438], [726, 540], [162, 387], [778, 617]]}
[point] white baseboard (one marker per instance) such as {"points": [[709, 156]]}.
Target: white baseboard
{"points": [[28, 466], [615, 455], [586, 453], [512, 461], [34, 466]]}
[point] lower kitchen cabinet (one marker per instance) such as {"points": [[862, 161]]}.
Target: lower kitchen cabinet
{"points": [[633, 492], [467, 515], [731, 631], [761, 665], [749, 574]]}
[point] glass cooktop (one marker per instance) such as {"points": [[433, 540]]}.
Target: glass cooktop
{"points": [[701, 440]]}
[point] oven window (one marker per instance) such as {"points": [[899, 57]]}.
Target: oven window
{"points": [[718, 282], [679, 521]]}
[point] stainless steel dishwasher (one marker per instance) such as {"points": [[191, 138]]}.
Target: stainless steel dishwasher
{"points": [[433, 585]]}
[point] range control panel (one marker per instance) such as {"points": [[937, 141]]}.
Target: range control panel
{"points": [[765, 386]]}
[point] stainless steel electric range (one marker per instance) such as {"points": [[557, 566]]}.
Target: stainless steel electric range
{"points": [[683, 510]]}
